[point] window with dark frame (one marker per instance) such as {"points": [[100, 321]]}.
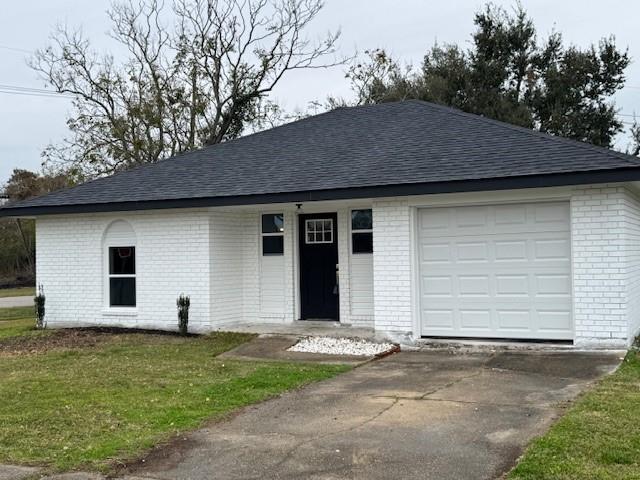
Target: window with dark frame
{"points": [[122, 276], [272, 234], [362, 231]]}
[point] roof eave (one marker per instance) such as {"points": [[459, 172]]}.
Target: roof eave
{"points": [[428, 188]]}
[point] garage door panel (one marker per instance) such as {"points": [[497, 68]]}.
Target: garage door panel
{"points": [[475, 319], [472, 252], [551, 213], [474, 286], [496, 271], [470, 217], [514, 320], [553, 320], [442, 319], [510, 214], [436, 253], [510, 250], [553, 285], [498, 219], [437, 286], [551, 249]]}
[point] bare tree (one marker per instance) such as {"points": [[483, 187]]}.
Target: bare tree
{"points": [[634, 131], [199, 81]]}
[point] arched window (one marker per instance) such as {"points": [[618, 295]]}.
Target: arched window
{"points": [[120, 265]]}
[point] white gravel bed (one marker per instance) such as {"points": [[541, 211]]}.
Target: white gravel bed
{"points": [[340, 346]]}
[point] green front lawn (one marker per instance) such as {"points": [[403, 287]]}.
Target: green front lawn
{"points": [[17, 292], [598, 438], [88, 405], [17, 321]]}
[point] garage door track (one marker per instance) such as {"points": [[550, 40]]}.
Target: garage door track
{"points": [[426, 415]]}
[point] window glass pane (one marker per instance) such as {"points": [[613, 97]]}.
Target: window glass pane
{"points": [[311, 226], [327, 237], [273, 223], [273, 245], [122, 260], [362, 219], [362, 242], [122, 292], [327, 225]]}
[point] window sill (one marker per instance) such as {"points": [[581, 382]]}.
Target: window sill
{"points": [[120, 311]]}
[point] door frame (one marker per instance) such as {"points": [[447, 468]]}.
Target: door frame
{"points": [[297, 260]]}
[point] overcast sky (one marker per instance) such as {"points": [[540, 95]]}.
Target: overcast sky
{"points": [[406, 28]]}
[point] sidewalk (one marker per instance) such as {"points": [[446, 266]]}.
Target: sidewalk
{"points": [[8, 302]]}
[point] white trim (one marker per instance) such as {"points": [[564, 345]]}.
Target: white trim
{"points": [[296, 266], [111, 239], [110, 275], [359, 230], [317, 221], [270, 234], [260, 313], [492, 197], [414, 273], [120, 311]]}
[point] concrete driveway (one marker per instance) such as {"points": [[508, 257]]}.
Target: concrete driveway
{"points": [[421, 415]]}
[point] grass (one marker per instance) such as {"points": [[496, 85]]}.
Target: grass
{"points": [[17, 292], [90, 407], [18, 321], [598, 438]]}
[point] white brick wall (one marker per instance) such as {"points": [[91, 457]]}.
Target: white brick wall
{"points": [[226, 266], [172, 256], [214, 256], [356, 278], [250, 248], [605, 225], [392, 267]]}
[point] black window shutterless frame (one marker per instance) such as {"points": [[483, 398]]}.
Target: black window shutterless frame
{"points": [[122, 276]]}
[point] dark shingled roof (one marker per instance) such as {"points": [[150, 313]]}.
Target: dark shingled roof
{"points": [[388, 149]]}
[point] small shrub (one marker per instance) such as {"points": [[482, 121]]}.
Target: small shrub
{"points": [[39, 304], [183, 303]]}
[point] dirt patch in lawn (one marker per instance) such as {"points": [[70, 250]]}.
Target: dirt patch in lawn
{"points": [[72, 338], [54, 340]]}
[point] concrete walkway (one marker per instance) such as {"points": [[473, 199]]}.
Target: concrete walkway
{"points": [[8, 302], [422, 415]]}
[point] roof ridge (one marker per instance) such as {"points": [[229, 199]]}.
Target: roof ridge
{"points": [[528, 131]]}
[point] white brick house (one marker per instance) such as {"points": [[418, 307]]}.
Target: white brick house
{"points": [[373, 217]]}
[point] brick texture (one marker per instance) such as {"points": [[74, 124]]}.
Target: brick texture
{"points": [[605, 232], [172, 257], [392, 267]]}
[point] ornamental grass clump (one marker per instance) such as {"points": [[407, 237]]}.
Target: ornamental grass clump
{"points": [[183, 303], [39, 300]]}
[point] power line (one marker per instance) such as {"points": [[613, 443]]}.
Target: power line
{"points": [[31, 91], [14, 49], [10, 92]]}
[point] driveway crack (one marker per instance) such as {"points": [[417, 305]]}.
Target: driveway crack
{"points": [[290, 453], [450, 384]]}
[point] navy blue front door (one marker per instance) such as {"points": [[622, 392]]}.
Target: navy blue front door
{"points": [[318, 242]]}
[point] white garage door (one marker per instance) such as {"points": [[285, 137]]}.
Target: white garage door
{"points": [[501, 271]]}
